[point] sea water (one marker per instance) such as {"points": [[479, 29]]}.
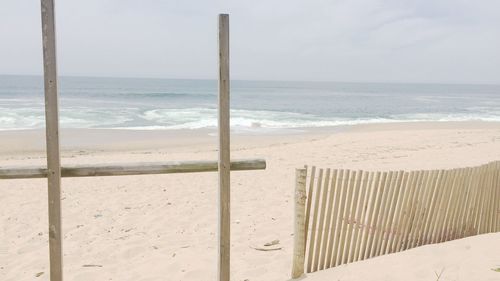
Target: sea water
{"points": [[163, 104]]}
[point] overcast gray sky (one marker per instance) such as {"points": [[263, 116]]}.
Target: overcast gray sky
{"points": [[455, 41]]}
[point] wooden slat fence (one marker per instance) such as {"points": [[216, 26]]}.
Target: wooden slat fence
{"points": [[351, 215]]}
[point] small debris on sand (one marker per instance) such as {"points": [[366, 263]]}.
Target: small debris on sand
{"points": [[266, 249], [272, 243]]}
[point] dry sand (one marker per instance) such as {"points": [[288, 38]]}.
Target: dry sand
{"points": [[469, 259], [163, 227]]}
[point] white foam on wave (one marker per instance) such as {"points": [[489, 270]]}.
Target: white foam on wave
{"points": [[451, 117], [33, 118], [199, 118], [21, 118]]}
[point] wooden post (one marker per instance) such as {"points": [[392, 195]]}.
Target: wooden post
{"points": [[224, 151], [52, 138], [299, 250]]}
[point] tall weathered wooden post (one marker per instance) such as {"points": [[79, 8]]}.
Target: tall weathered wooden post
{"points": [[52, 138], [224, 151]]}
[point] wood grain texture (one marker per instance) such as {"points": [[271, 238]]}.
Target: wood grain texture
{"points": [[308, 204], [397, 223], [345, 218], [52, 138], [420, 205], [396, 203], [314, 214], [469, 185], [454, 230], [127, 169], [454, 194], [324, 197], [224, 151], [477, 204], [378, 229], [337, 252], [434, 191], [421, 222], [496, 212], [299, 226], [489, 217], [412, 202], [370, 221], [328, 218], [351, 218], [440, 208], [335, 217], [358, 215]]}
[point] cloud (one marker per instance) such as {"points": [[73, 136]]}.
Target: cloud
{"points": [[344, 40]]}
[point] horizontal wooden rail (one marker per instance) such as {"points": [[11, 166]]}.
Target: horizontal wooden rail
{"points": [[146, 168]]}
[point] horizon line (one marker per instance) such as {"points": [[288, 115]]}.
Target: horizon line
{"points": [[264, 80]]}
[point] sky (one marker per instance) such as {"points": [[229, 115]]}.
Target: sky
{"points": [[436, 41]]}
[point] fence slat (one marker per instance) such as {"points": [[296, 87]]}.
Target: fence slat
{"points": [[299, 226], [486, 200], [360, 216], [370, 202], [375, 216], [429, 191], [308, 206], [457, 194], [400, 213], [312, 239], [345, 218], [340, 218], [481, 205], [417, 201], [473, 196], [410, 205], [489, 224], [352, 217], [328, 219], [335, 219], [441, 207], [485, 205], [431, 213], [421, 205], [474, 228], [319, 243], [384, 213], [485, 215], [493, 203], [380, 213], [497, 198], [454, 197], [395, 204], [460, 204], [468, 198]]}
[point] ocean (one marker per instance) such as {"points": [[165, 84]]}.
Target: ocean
{"points": [[163, 104]]}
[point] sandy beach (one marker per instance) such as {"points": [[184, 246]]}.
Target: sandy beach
{"points": [[163, 227]]}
